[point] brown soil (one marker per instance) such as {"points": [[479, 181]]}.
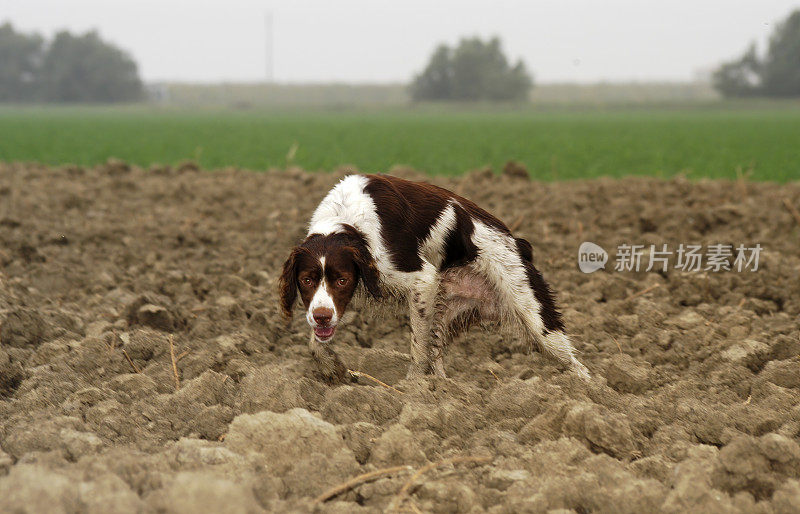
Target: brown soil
{"points": [[694, 404]]}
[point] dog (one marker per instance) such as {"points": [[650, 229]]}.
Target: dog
{"points": [[452, 262]]}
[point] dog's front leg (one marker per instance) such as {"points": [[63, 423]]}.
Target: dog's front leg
{"points": [[328, 363], [421, 300]]}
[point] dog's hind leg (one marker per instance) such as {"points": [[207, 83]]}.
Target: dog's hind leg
{"points": [[524, 296], [547, 325]]}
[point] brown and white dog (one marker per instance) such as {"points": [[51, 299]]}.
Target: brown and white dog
{"points": [[453, 262]]}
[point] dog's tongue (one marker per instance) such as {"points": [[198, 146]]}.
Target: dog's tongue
{"points": [[324, 332]]}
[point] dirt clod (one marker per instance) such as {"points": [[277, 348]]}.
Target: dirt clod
{"points": [[23, 328], [628, 376]]}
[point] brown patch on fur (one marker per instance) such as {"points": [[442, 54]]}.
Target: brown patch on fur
{"points": [[459, 248], [408, 210]]}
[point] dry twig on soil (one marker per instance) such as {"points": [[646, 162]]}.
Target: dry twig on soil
{"points": [[402, 494], [137, 370], [741, 182], [643, 292], [174, 363], [516, 223], [792, 210], [370, 377], [360, 479]]}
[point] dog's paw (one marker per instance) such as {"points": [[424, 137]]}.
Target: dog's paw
{"points": [[330, 369]]}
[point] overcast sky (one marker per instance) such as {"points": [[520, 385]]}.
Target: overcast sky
{"points": [[375, 41]]}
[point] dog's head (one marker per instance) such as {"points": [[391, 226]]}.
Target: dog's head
{"points": [[326, 270]]}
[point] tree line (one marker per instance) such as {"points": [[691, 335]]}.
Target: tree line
{"points": [[474, 70], [84, 68], [775, 74], [69, 68], [477, 70]]}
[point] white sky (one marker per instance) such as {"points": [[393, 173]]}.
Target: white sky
{"points": [[376, 41]]}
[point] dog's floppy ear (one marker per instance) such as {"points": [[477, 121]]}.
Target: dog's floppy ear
{"points": [[357, 245], [288, 283], [368, 270]]}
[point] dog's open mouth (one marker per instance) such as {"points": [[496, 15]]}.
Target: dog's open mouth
{"points": [[324, 333]]}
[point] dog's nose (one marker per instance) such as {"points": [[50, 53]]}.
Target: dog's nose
{"points": [[322, 316]]}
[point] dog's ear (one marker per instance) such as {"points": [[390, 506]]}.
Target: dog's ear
{"points": [[288, 283], [363, 260], [368, 270]]}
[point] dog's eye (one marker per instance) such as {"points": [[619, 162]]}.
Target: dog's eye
{"points": [[306, 281], [342, 281]]}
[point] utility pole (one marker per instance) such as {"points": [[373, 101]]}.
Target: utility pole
{"points": [[270, 62]]}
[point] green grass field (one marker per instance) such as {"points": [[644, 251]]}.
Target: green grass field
{"points": [[714, 140]]}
